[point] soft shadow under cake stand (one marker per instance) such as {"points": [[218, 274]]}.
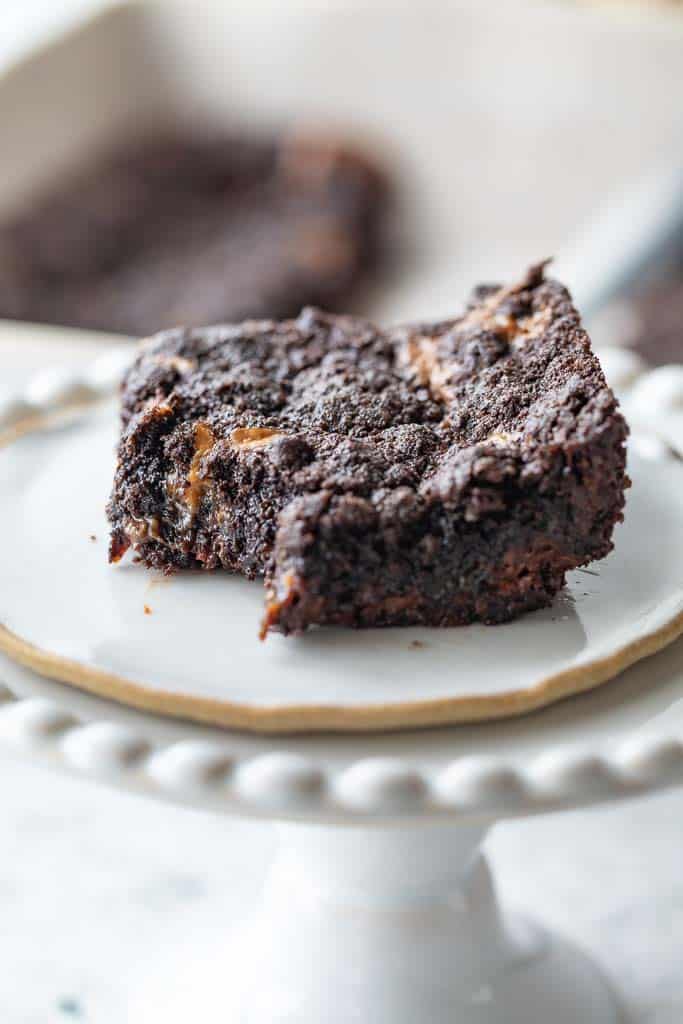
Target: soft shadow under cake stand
{"points": [[380, 907]]}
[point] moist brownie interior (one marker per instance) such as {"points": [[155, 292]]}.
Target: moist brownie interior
{"points": [[181, 230], [433, 473]]}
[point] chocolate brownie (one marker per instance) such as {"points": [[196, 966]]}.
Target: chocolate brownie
{"points": [[179, 230], [435, 473]]}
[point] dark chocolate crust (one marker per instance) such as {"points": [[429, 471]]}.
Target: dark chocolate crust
{"points": [[435, 474], [179, 230]]}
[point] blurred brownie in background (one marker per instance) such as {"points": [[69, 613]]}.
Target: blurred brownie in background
{"points": [[658, 321], [647, 314], [182, 230]]}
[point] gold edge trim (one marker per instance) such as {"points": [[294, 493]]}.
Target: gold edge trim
{"points": [[331, 718]]}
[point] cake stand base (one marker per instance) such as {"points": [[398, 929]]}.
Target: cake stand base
{"points": [[383, 926]]}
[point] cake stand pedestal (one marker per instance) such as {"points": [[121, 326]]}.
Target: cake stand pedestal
{"points": [[389, 926], [379, 907]]}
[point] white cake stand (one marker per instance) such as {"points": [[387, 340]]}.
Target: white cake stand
{"points": [[380, 907]]}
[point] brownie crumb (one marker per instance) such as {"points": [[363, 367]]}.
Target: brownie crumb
{"points": [[148, 610]]}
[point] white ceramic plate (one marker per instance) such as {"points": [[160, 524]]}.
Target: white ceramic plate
{"points": [[195, 651]]}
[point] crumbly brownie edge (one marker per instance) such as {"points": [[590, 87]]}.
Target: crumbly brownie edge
{"points": [[511, 561]]}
